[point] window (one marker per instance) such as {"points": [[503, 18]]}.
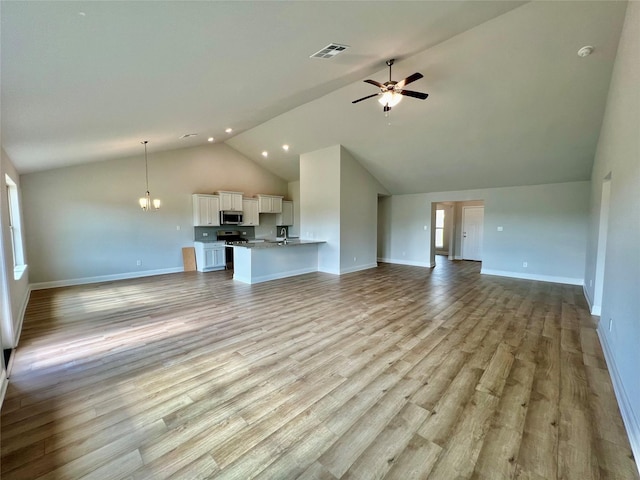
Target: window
{"points": [[15, 227], [439, 228]]}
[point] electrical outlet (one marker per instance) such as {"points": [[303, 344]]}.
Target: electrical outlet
{"points": [[205, 234], [591, 283], [525, 264], [403, 254], [178, 228], [500, 229], [244, 233], [355, 258], [425, 227], [610, 324], [138, 262]]}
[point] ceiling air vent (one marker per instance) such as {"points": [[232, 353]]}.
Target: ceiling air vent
{"points": [[330, 51]]}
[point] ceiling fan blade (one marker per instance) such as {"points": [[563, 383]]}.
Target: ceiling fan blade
{"points": [[364, 98], [410, 93], [409, 79], [373, 82]]}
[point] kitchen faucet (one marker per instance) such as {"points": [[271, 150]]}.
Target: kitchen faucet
{"points": [[283, 233]]}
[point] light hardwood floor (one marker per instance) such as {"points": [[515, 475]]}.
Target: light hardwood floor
{"points": [[396, 372]]}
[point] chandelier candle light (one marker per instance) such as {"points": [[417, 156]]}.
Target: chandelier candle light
{"points": [[145, 202]]}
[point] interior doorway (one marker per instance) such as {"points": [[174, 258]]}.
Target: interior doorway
{"points": [[444, 229], [448, 230]]}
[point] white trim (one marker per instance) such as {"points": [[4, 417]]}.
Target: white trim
{"points": [[458, 257], [628, 417], [531, 276], [358, 268], [405, 262], [273, 276], [594, 309], [104, 278], [4, 383]]}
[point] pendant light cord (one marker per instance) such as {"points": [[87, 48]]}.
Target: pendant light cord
{"points": [[146, 167]]}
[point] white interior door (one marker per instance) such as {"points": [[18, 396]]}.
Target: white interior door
{"points": [[472, 230]]}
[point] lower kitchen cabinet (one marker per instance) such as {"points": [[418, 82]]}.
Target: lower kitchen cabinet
{"points": [[210, 256]]}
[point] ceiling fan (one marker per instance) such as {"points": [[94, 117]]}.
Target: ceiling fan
{"points": [[391, 92]]}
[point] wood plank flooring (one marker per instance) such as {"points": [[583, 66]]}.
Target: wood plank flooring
{"points": [[396, 372]]}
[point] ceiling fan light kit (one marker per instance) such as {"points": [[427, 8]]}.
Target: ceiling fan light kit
{"points": [[391, 92]]}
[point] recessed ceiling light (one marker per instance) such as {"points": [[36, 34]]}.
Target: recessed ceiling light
{"points": [[210, 139], [285, 147], [187, 135], [585, 51], [82, 14], [265, 154], [229, 130]]}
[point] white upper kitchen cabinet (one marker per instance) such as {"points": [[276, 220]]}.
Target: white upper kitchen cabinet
{"points": [[206, 210], [250, 212], [230, 201], [286, 217], [269, 204]]}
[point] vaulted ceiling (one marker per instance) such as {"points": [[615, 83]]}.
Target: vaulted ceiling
{"points": [[510, 101]]}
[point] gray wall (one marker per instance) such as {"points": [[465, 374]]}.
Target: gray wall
{"points": [[358, 215], [320, 204], [84, 222], [618, 154], [338, 204], [544, 225]]}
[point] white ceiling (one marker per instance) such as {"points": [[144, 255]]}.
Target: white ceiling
{"points": [[510, 102]]}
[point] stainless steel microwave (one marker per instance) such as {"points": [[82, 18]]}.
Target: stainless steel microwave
{"points": [[230, 218]]}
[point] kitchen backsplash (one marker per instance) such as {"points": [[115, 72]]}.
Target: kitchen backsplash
{"points": [[212, 232]]}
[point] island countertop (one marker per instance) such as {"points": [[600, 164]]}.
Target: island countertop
{"points": [[260, 244]]}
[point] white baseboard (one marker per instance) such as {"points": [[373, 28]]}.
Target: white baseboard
{"points": [[631, 423], [4, 383], [405, 262], [104, 278], [530, 276], [358, 268]]}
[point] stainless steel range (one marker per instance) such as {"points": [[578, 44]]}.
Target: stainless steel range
{"points": [[230, 237]]}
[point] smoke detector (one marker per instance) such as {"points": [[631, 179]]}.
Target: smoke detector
{"points": [[585, 51]]}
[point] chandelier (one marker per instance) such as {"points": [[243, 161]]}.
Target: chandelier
{"points": [[145, 202]]}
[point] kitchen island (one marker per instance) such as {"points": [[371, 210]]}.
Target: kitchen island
{"points": [[269, 260]]}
